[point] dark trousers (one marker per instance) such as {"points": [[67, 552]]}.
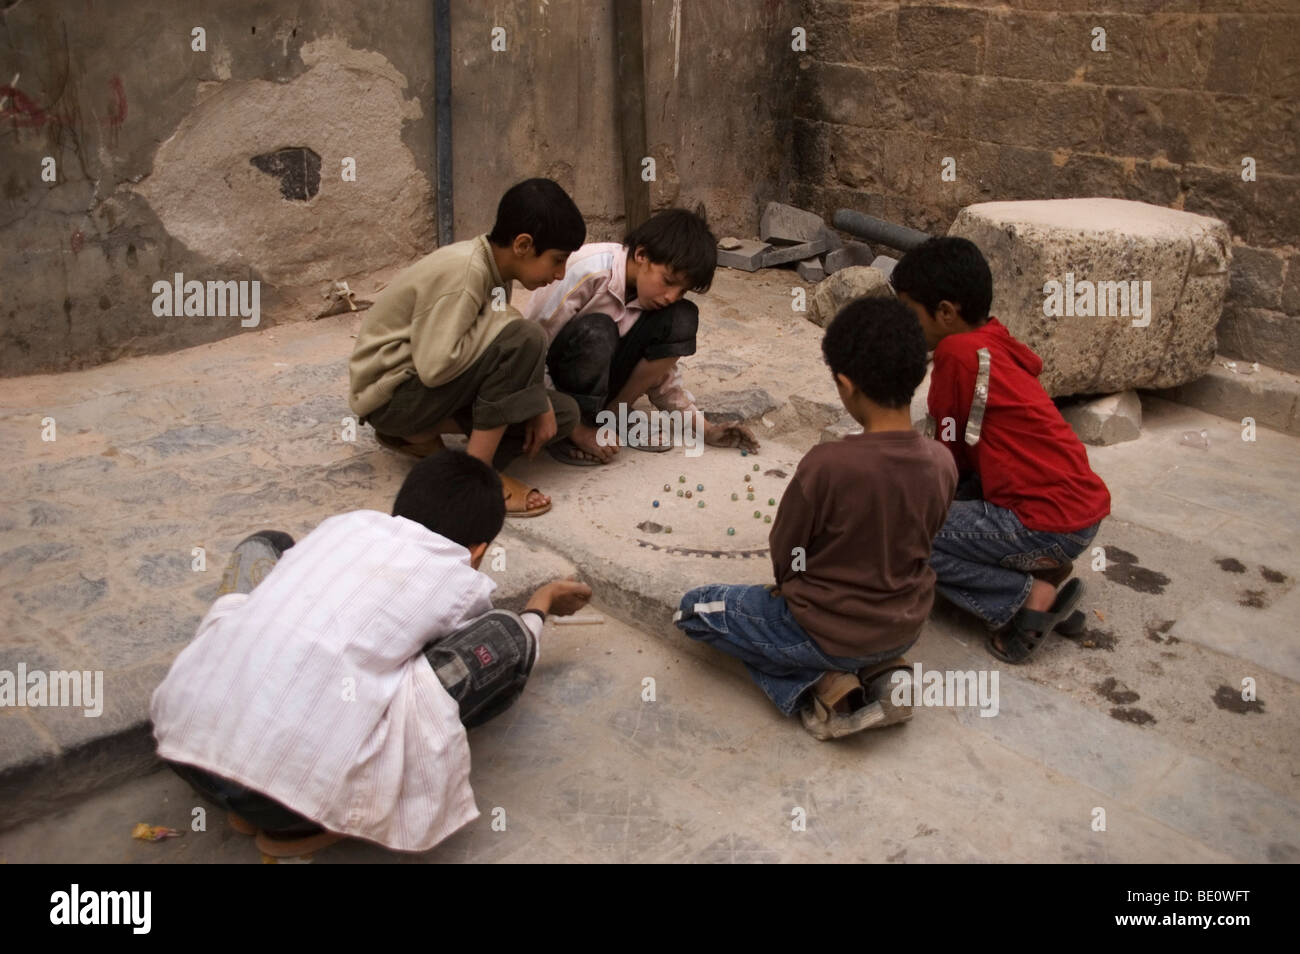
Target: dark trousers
{"points": [[483, 666], [505, 386], [589, 362]]}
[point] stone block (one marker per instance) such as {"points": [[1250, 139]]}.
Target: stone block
{"points": [[811, 270], [784, 254], [1107, 420], [1235, 390], [786, 225], [1072, 276], [884, 264], [748, 257], [850, 253], [841, 288]]}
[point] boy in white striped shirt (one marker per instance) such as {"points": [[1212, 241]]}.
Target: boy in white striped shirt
{"points": [[327, 691]]}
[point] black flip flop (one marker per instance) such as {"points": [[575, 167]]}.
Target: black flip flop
{"points": [[1029, 628]]}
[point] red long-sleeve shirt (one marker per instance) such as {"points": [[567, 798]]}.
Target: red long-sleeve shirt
{"points": [[1028, 459]]}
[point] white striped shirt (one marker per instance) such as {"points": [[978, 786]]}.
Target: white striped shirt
{"points": [[312, 689]]}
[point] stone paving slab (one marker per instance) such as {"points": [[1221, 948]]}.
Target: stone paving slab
{"points": [[156, 456]]}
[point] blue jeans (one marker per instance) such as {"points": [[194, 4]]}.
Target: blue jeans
{"points": [[757, 627], [983, 557]]}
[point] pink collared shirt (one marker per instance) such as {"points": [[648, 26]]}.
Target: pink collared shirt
{"points": [[595, 282]]}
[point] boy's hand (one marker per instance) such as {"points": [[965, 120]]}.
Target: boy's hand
{"points": [[539, 430], [560, 597], [730, 435]]}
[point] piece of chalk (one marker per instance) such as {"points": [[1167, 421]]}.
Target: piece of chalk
{"points": [[577, 620]]}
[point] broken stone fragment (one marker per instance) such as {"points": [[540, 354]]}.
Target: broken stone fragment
{"points": [[787, 225], [1108, 420], [729, 243], [730, 407], [841, 288], [748, 257], [1112, 294], [846, 426], [850, 253]]}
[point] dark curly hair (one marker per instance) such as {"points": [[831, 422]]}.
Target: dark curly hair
{"points": [[878, 345], [947, 269]]}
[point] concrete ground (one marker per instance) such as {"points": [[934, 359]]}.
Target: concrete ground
{"points": [[1142, 716]]}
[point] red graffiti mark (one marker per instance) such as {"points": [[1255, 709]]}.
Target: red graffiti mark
{"points": [[78, 240], [117, 107], [20, 108]]}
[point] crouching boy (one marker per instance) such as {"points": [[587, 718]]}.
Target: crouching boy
{"points": [[328, 689], [850, 544]]}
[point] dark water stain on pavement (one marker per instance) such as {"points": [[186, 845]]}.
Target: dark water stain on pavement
{"points": [[1230, 699], [1231, 565], [1122, 568], [1114, 690], [1253, 599], [1098, 639], [1135, 716], [1158, 632]]}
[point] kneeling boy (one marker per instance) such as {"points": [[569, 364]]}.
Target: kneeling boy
{"points": [[1029, 502], [327, 691], [850, 544]]}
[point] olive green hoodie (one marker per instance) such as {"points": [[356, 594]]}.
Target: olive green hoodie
{"points": [[435, 319]]}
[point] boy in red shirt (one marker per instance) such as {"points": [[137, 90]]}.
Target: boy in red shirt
{"points": [[1034, 503]]}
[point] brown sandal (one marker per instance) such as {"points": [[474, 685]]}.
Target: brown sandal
{"points": [[295, 847], [516, 491]]}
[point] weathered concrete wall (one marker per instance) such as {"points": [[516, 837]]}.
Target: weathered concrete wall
{"points": [[1013, 91], [152, 143], [719, 103]]}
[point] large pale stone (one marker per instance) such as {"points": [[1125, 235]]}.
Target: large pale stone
{"points": [[856, 281], [1183, 257]]}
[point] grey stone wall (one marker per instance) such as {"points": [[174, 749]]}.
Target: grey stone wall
{"points": [[1015, 93]]}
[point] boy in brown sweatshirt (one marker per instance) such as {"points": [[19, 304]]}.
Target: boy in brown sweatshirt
{"points": [[443, 352], [850, 544]]}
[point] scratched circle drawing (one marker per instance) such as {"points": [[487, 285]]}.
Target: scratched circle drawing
{"points": [[629, 513]]}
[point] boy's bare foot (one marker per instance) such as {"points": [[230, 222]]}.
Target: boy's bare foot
{"points": [[584, 439]]}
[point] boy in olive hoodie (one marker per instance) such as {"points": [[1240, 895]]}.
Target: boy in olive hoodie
{"points": [[443, 352]]}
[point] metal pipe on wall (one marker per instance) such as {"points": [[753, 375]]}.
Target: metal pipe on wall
{"points": [[878, 230], [442, 116]]}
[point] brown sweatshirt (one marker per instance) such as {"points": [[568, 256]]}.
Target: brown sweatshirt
{"points": [[435, 319], [864, 509]]}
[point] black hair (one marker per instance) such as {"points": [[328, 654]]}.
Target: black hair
{"points": [[877, 344], [454, 495], [681, 240], [540, 208], [947, 269]]}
